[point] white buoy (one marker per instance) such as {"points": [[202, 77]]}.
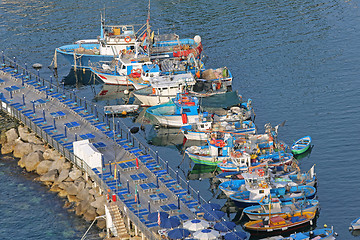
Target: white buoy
{"points": [[197, 39], [126, 91], [37, 65]]}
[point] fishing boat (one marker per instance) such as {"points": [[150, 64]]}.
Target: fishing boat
{"points": [[164, 88], [217, 76], [278, 171], [121, 109], [125, 70], [182, 110], [307, 178], [301, 145], [138, 70], [317, 234], [262, 175], [113, 40], [355, 225], [257, 190], [123, 39], [274, 207], [280, 224], [216, 151], [201, 131], [204, 88], [232, 186], [236, 162]]}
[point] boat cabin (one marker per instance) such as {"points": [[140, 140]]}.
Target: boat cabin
{"points": [[256, 183], [275, 205], [241, 159], [186, 105], [135, 67], [115, 39], [218, 147], [170, 85]]}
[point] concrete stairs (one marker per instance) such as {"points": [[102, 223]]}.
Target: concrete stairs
{"points": [[118, 222]]}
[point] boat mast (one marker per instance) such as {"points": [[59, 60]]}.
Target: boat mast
{"points": [[148, 30]]}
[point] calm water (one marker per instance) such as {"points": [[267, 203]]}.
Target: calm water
{"points": [[297, 60]]}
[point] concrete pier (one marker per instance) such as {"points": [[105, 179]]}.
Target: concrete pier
{"points": [[136, 180]]}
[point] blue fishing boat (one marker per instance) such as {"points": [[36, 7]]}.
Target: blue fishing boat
{"points": [[317, 234], [258, 191], [115, 40], [301, 145], [274, 207], [232, 186], [182, 110]]}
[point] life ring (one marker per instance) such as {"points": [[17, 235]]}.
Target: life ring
{"points": [[127, 39], [153, 91], [137, 70], [260, 172], [185, 99], [236, 154], [136, 73]]}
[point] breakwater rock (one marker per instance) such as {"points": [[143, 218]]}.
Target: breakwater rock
{"points": [[81, 194]]}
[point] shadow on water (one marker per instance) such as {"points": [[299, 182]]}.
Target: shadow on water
{"points": [[305, 154], [200, 171], [81, 77]]}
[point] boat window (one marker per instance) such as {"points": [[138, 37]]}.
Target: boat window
{"points": [[261, 191], [186, 110], [202, 125]]}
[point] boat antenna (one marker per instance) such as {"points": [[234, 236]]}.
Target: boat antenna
{"points": [[148, 30]]}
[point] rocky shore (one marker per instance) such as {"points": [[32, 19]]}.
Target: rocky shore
{"points": [[82, 196]]}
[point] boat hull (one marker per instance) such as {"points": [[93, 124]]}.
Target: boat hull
{"points": [[253, 213], [82, 60], [241, 199], [112, 79], [205, 160], [290, 223], [152, 100]]}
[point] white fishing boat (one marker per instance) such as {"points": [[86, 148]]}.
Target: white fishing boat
{"points": [[355, 225], [120, 109], [200, 131], [126, 69], [164, 88]]}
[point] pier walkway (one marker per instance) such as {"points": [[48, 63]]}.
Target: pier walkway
{"points": [[137, 179]]}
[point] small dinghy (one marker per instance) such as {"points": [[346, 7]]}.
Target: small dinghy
{"points": [[355, 225], [301, 145], [120, 109]]}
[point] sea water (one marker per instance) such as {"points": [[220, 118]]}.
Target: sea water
{"points": [[297, 60]]}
